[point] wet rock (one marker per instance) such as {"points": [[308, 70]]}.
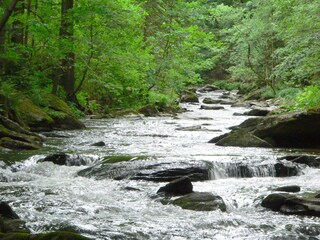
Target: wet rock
{"points": [[208, 88], [9, 143], [64, 159], [292, 188], [291, 204], [206, 107], [211, 101], [285, 171], [201, 201], [260, 112], [61, 235], [293, 130], [189, 97], [98, 144], [149, 110], [191, 128], [193, 173], [180, 186], [309, 160], [317, 195], [10, 221]]}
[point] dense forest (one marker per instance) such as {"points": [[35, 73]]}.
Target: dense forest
{"points": [[103, 55]]}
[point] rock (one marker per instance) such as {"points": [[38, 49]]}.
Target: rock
{"points": [[206, 107], [149, 110], [292, 188], [240, 139], [189, 97], [60, 235], [285, 171], [33, 116], [293, 130], [201, 201], [291, 204], [13, 136], [7, 212], [10, 221], [211, 101], [64, 159], [208, 88], [98, 144], [194, 173], [309, 160], [260, 112], [9, 143], [180, 186], [191, 128]]}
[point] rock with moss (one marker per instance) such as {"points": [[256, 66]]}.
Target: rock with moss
{"points": [[13, 136], [189, 97], [293, 130], [201, 201], [291, 204], [180, 186], [149, 110], [33, 116]]}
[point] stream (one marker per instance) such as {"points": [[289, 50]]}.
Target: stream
{"points": [[51, 197]]}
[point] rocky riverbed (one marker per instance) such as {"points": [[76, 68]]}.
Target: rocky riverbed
{"points": [[159, 177]]}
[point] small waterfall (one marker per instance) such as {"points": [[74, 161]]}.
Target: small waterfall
{"points": [[241, 170]]}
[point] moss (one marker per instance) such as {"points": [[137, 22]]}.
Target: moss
{"points": [[32, 115], [201, 201], [122, 158], [53, 102]]}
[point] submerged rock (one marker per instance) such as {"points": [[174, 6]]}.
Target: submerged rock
{"points": [[201, 201], [98, 144], [64, 159], [292, 188], [180, 186], [291, 204], [206, 107], [294, 130]]}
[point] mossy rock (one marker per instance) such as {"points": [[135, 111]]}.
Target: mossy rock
{"points": [[33, 116], [122, 158], [55, 103], [43, 236], [201, 201], [189, 97], [9, 143]]}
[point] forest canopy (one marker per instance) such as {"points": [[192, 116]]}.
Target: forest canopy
{"points": [[106, 54]]}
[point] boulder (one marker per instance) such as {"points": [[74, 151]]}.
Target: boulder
{"points": [[98, 144], [309, 160], [282, 170], [189, 97], [290, 204], [180, 186], [64, 159], [13, 136], [208, 88], [260, 112], [201, 201], [293, 130], [292, 188], [149, 110], [211, 101], [10, 221], [206, 107]]}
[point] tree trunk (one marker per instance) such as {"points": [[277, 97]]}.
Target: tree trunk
{"points": [[66, 71]]}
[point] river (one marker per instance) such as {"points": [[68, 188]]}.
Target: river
{"points": [[51, 197]]}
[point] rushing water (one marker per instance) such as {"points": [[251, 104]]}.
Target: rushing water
{"points": [[50, 197]]}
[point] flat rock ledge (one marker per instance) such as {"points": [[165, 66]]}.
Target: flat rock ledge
{"points": [[291, 130]]}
